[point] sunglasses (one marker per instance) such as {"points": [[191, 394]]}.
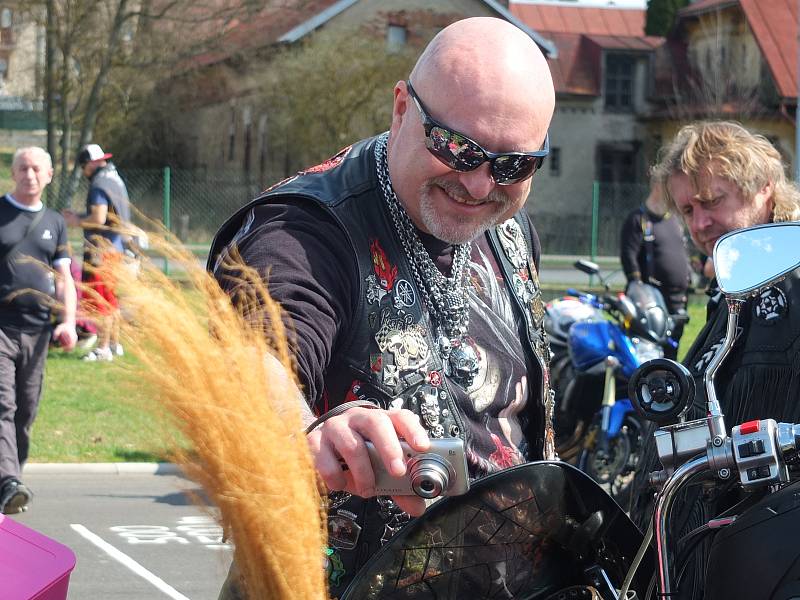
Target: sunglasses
{"points": [[460, 153]]}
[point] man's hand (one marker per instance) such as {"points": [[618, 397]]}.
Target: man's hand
{"points": [[65, 335], [341, 457]]}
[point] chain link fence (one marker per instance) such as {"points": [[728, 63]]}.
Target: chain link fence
{"points": [[595, 230], [193, 204]]}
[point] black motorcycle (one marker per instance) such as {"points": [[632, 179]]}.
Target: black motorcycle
{"points": [[546, 531]]}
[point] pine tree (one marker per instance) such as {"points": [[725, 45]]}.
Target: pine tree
{"points": [[661, 15]]}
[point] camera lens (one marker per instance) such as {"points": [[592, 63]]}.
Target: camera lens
{"points": [[430, 476]]}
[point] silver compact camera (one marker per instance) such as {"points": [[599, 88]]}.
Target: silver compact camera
{"points": [[441, 471]]}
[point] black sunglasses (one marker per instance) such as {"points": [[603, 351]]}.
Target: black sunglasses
{"points": [[460, 153]]}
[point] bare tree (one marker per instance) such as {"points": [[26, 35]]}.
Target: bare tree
{"points": [[720, 82], [334, 89], [103, 58]]}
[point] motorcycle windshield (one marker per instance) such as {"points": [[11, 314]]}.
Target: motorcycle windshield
{"points": [[652, 314], [525, 533]]}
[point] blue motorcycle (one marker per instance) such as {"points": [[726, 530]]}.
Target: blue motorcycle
{"points": [[598, 341]]}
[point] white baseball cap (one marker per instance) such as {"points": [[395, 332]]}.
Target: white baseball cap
{"points": [[92, 152]]}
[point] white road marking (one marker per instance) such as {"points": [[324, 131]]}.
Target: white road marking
{"points": [[128, 562]]}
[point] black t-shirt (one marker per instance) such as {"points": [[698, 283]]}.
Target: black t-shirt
{"points": [[310, 269], [27, 282]]}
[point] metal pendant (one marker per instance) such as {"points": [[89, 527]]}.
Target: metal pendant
{"points": [[462, 364]]}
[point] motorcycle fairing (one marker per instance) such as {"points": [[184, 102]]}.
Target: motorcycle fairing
{"points": [[590, 342], [620, 408], [523, 533]]}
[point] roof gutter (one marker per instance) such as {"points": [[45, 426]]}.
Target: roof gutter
{"points": [[315, 22], [549, 48], [689, 11]]}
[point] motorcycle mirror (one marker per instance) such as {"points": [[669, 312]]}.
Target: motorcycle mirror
{"points": [[661, 390], [747, 260], [587, 267]]}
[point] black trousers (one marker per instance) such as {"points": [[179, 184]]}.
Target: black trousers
{"points": [[22, 358]]}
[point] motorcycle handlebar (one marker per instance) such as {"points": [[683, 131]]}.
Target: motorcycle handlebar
{"points": [[788, 437]]}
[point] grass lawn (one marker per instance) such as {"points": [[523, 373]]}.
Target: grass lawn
{"points": [[697, 318], [92, 412]]}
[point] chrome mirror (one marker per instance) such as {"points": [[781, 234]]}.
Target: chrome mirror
{"points": [[747, 260]]}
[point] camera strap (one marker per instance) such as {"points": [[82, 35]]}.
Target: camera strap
{"points": [[338, 410]]}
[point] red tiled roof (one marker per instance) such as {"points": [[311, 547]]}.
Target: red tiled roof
{"points": [[774, 25], [263, 29], [580, 19], [626, 42], [577, 68], [581, 34]]}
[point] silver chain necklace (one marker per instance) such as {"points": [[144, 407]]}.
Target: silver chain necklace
{"points": [[444, 297]]}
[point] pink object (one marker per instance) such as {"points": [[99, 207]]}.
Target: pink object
{"points": [[32, 566]]}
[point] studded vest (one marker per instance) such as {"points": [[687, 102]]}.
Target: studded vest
{"points": [[390, 357]]}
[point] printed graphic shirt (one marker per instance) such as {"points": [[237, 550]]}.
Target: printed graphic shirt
{"points": [[26, 276], [312, 274]]}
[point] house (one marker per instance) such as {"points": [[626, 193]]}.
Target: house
{"points": [[732, 59], [601, 143], [22, 119], [229, 97]]}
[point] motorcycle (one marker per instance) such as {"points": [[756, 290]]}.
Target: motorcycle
{"points": [[546, 531], [593, 359], [755, 455]]}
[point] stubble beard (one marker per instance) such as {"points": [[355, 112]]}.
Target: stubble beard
{"points": [[454, 231]]}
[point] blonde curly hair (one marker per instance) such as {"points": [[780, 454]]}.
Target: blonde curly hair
{"points": [[748, 160]]}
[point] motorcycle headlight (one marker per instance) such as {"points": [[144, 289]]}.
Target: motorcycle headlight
{"points": [[646, 350]]}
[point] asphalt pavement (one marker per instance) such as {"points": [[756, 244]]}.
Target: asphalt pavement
{"points": [[133, 528]]}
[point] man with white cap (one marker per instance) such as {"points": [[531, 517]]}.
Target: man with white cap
{"points": [[107, 206]]}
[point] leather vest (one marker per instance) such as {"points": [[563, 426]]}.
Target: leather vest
{"points": [[390, 356]]}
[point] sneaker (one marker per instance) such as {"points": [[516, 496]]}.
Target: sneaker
{"points": [[14, 497], [118, 350], [86, 342], [103, 354]]}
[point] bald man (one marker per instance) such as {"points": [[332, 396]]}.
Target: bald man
{"points": [[408, 269]]}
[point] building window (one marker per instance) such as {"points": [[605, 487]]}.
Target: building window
{"points": [[619, 82], [616, 165], [555, 161], [396, 36], [5, 18]]}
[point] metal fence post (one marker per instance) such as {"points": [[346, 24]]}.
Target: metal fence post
{"points": [[166, 211], [595, 216], [595, 222]]}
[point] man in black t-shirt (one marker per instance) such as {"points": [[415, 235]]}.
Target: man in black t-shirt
{"points": [[34, 276]]}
